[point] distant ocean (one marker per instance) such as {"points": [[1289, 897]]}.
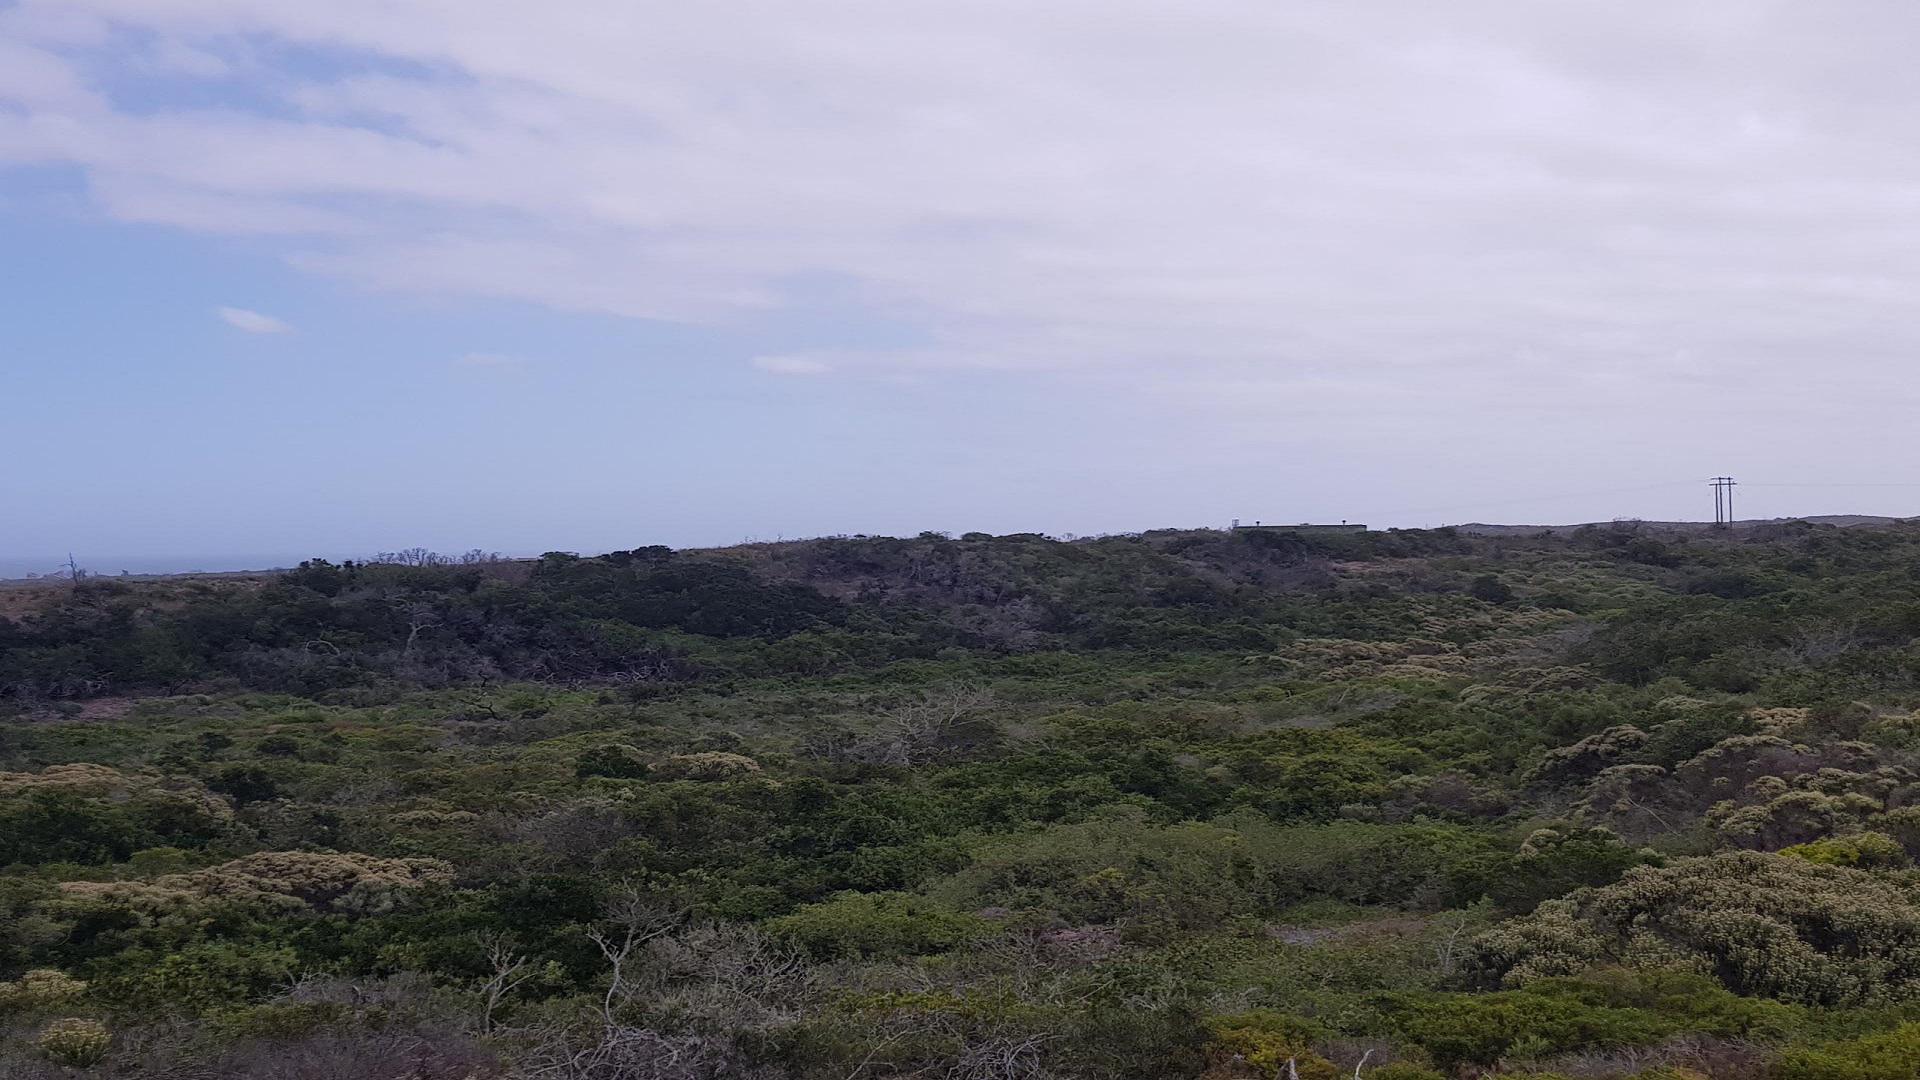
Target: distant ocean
{"points": [[14, 566]]}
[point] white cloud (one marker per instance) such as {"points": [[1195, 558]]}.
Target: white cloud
{"points": [[793, 364], [489, 360], [1335, 209], [252, 322]]}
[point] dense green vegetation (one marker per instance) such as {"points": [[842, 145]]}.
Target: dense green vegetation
{"points": [[1614, 803]]}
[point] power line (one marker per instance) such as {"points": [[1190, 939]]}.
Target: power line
{"points": [[1722, 501], [1723, 495], [1830, 484], [1558, 496]]}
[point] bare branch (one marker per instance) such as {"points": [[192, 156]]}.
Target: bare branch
{"points": [[510, 969]]}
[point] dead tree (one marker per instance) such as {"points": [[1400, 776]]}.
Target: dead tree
{"points": [[636, 920], [936, 725], [510, 969], [420, 616]]}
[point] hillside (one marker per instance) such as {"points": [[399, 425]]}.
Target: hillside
{"points": [[1843, 521], [1594, 802]]}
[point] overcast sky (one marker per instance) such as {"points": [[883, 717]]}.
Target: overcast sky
{"points": [[332, 277]]}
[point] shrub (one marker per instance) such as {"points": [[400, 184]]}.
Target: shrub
{"points": [[616, 760], [354, 883], [1796, 818], [1404, 1070], [75, 1043], [1549, 863], [1890, 1055], [1480, 1029], [246, 784], [876, 924], [1606, 1011], [1763, 924], [1867, 850], [1588, 757], [41, 988], [278, 746], [1200, 875], [1490, 589], [1683, 1001], [201, 976], [94, 814], [708, 765], [1272, 1044]]}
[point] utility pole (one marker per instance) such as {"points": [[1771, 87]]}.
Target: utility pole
{"points": [[1722, 501]]}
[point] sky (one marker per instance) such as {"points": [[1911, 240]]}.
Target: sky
{"points": [[280, 279]]}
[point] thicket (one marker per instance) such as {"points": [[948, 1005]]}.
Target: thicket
{"points": [[1615, 803]]}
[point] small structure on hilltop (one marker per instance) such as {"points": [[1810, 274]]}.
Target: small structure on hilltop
{"points": [[1303, 527]]}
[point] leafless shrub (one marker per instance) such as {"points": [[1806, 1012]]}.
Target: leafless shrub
{"points": [[638, 1053], [1824, 643], [442, 1055], [970, 1048], [574, 832], [1721, 1059], [1002, 1057], [1359, 1055], [421, 616], [634, 920], [1451, 948], [405, 989], [508, 968], [751, 979], [939, 725], [413, 556], [679, 995]]}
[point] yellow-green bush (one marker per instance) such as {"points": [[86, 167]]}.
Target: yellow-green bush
{"points": [[1890, 1055], [1795, 817], [41, 988], [1262, 1043], [853, 924], [1867, 850], [75, 1042], [707, 765], [1403, 1070], [203, 976], [1766, 925], [347, 882]]}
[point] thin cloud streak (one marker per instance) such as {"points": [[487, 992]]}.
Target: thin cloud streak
{"points": [[253, 322], [792, 365]]}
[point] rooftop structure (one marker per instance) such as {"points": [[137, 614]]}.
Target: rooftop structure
{"points": [[1343, 527]]}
